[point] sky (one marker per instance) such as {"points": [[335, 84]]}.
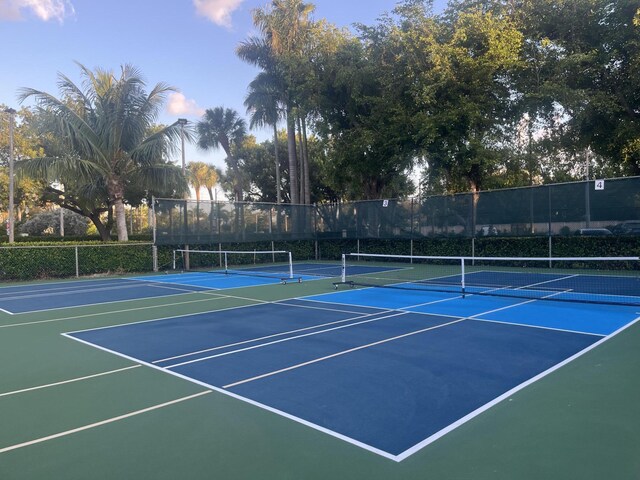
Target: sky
{"points": [[188, 44]]}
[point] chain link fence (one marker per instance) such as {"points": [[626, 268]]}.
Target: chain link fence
{"points": [[592, 208]]}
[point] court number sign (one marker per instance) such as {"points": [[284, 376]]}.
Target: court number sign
{"points": [[385, 203], [599, 184]]}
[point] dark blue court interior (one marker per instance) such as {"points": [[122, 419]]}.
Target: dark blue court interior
{"points": [[384, 372]]}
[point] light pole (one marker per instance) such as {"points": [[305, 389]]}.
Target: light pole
{"points": [[182, 122], [10, 228]]}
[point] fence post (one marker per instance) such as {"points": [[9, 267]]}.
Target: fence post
{"points": [[154, 256], [77, 264]]}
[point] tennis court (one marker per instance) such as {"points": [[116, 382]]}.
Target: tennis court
{"points": [[297, 379]]}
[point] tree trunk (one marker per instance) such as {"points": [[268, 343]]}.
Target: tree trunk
{"points": [[275, 148], [305, 159], [116, 192], [105, 234], [293, 159], [303, 193]]}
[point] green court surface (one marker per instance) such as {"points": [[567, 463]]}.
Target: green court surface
{"points": [[71, 411]]}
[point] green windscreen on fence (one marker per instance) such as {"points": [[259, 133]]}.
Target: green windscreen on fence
{"points": [[604, 207]]}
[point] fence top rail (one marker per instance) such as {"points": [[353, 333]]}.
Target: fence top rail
{"points": [[531, 259], [113, 244], [232, 251]]}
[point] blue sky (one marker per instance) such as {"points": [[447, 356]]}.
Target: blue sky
{"points": [[189, 44]]}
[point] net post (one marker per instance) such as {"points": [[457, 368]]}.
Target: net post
{"points": [[344, 269], [174, 259], [226, 264], [290, 265], [77, 264], [462, 276]]}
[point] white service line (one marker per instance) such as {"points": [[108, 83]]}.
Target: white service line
{"points": [[103, 422], [344, 352], [30, 389], [397, 314], [355, 349], [266, 337]]}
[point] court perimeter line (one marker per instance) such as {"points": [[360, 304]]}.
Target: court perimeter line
{"points": [[229, 393], [507, 394], [67, 381], [103, 422], [59, 292], [213, 295]]}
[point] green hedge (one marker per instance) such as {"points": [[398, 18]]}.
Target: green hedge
{"points": [[114, 258], [40, 260]]}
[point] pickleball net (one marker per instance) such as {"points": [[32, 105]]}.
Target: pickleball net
{"points": [[267, 263], [605, 280]]}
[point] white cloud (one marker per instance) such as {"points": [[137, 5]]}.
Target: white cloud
{"points": [[45, 10], [218, 11], [180, 105]]}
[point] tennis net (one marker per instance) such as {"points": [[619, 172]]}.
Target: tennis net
{"points": [[270, 263], [605, 280]]}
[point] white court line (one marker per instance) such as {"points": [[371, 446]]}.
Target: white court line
{"points": [[244, 399], [179, 290], [262, 345], [103, 422], [212, 295], [361, 347], [337, 354], [396, 458], [506, 395], [266, 337], [15, 392]]}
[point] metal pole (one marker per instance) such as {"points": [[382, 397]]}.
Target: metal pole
{"points": [[587, 205], [182, 122], [10, 228]]}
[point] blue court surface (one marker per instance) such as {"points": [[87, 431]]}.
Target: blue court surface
{"points": [[48, 296], [387, 370]]}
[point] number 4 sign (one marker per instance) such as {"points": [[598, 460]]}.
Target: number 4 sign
{"points": [[599, 184]]}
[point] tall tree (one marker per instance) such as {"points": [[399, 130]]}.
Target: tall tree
{"points": [[108, 126], [284, 28], [263, 105], [223, 128]]}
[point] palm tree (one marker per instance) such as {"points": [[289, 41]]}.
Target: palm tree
{"points": [[223, 128], [108, 125], [284, 28], [211, 179], [262, 103], [198, 176]]}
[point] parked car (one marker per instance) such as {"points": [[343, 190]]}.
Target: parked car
{"points": [[594, 232], [488, 230], [627, 228]]}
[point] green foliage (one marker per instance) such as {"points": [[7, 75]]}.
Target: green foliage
{"points": [[48, 223], [35, 261]]}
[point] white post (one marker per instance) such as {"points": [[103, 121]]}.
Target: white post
{"points": [[11, 222], [344, 268], [462, 275], [61, 222], [290, 266]]}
